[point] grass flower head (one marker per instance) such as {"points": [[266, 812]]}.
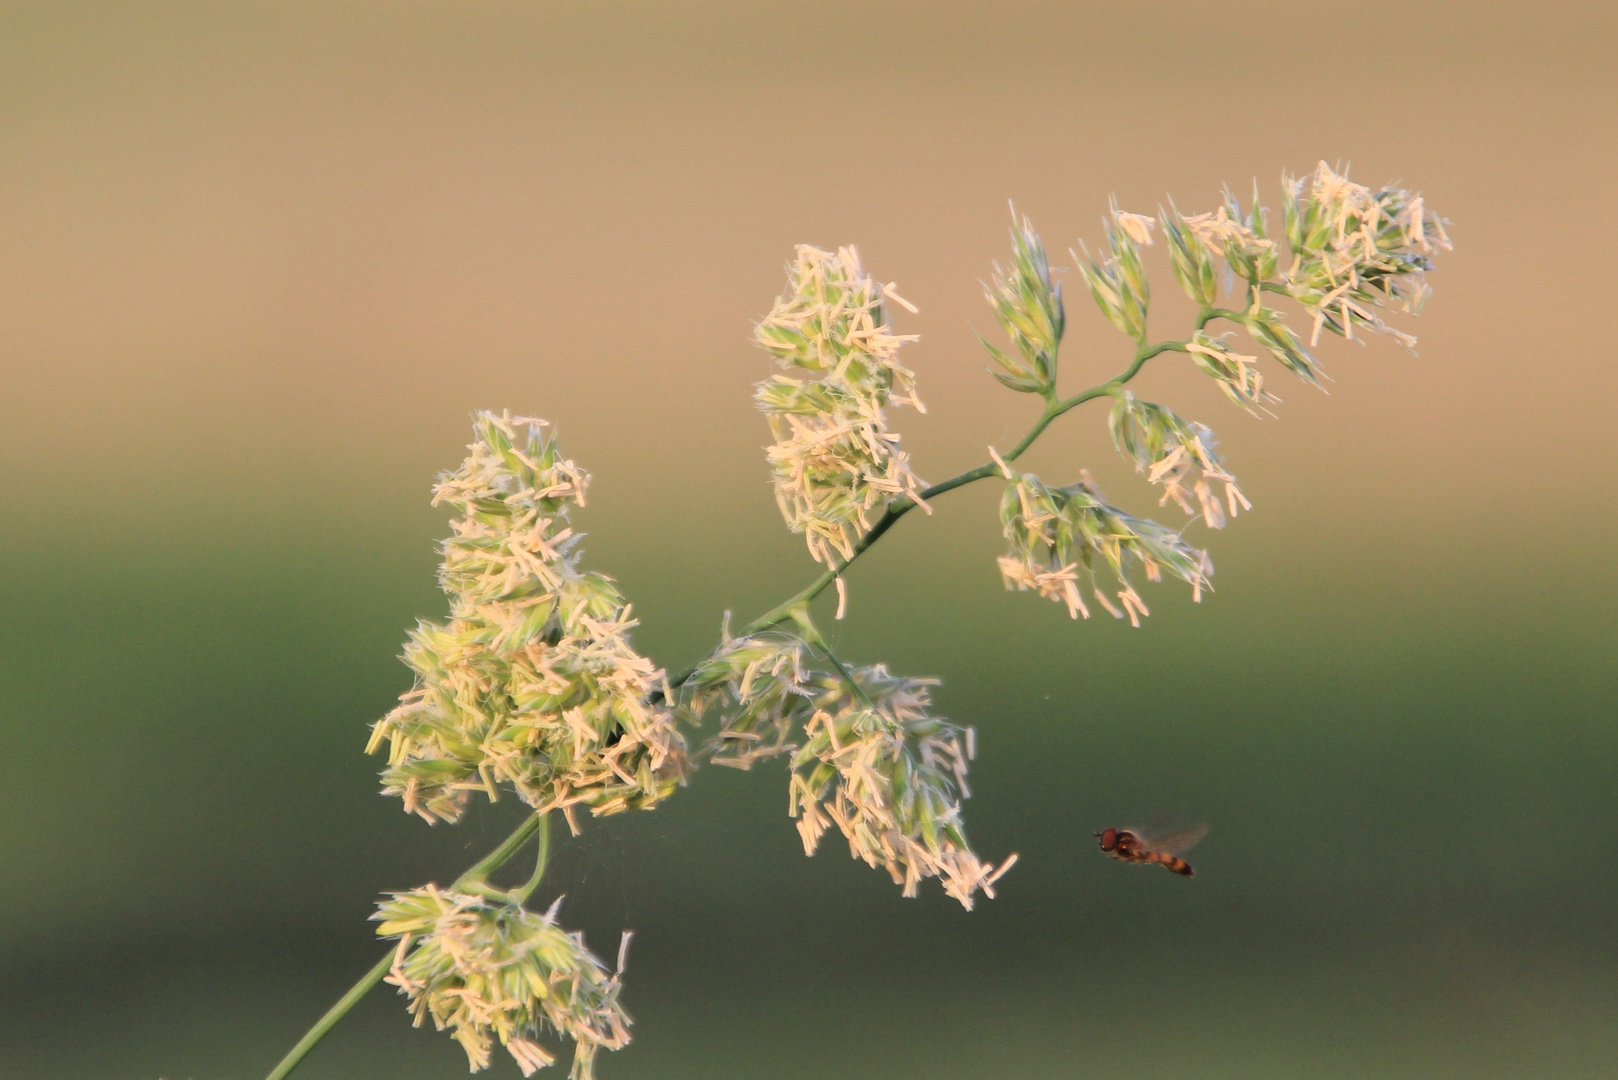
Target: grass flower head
{"points": [[492, 972], [532, 682], [834, 461], [891, 777]]}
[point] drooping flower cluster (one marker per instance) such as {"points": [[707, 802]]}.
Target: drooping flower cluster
{"points": [[1028, 306], [870, 760], [532, 682], [834, 461], [763, 688], [891, 778], [1177, 453], [1063, 538], [1354, 250], [491, 971]]}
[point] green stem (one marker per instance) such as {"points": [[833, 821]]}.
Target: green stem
{"points": [[474, 880], [1210, 314], [521, 895], [848, 678], [333, 1014], [494, 860], [900, 507]]}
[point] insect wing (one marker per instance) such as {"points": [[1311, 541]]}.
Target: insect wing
{"points": [[1172, 841]]}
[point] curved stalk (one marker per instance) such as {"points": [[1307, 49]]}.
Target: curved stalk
{"points": [[479, 872], [521, 895]]}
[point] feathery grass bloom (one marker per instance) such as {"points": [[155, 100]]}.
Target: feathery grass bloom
{"points": [[1240, 237], [870, 759], [763, 687], [1118, 282], [1062, 538], [834, 461], [1237, 375], [1177, 453], [1195, 242], [492, 971], [1028, 306], [891, 777], [1191, 257], [1355, 250], [532, 683]]}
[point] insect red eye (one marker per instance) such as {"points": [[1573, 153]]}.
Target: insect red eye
{"points": [[1109, 839]]}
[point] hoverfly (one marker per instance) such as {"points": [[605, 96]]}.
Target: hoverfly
{"points": [[1161, 846]]}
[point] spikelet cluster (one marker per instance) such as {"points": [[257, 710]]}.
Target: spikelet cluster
{"points": [[1350, 253], [834, 461], [1063, 539], [1355, 250], [1240, 237], [1028, 306], [1237, 375], [891, 777], [762, 687], [494, 972], [532, 682], [1241, 240], [1178, 454], [1118, 281]]}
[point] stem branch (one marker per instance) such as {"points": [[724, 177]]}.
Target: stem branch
{"points": [[476, 878], [521, 895], [479, 873], [897, 509]]}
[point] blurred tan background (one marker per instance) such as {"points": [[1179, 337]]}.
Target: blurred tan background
{"points": [[258, 262]]}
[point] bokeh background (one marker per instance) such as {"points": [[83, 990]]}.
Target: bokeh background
{"points": [[259, 261]]}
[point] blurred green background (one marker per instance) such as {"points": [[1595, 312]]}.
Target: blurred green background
{"points": [[258, 262]]}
